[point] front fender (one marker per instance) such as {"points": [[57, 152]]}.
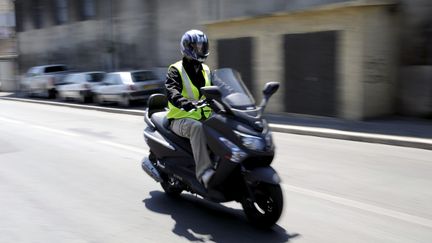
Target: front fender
{"points": [[262, 174]]}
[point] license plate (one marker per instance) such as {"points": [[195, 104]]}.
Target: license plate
{"points": [[151, 86]]}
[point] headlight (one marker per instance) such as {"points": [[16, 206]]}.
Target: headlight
{"points": [[251, 142]]}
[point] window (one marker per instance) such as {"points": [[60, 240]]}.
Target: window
{"points": [[37, 14], [61, 11], [53, 69], [95, 77], [33, 71], [70, 78], [112, 79], [87, 9], [143, 76]]}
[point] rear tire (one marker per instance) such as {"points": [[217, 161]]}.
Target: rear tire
{"points": [[51, 94], [265, 211]]}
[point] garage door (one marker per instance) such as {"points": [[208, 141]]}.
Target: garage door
{"points": [[310, 73]]}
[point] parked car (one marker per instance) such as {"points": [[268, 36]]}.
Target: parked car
{"points": [[43, 80], [80, 86], [124, 87]]}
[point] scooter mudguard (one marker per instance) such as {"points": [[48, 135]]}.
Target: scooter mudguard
{"points": [[262, 174]]}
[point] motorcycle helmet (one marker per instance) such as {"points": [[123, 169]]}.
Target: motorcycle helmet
{"points": [[194, 45]]}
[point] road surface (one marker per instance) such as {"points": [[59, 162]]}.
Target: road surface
{"points": [[72, 175]]}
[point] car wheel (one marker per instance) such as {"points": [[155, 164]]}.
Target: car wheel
{"points": [[28, 92], [82, 98], [97, 99], [51, 94], [61, 96]]}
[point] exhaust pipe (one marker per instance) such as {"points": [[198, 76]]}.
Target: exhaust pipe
{"points": [[149, 168]]}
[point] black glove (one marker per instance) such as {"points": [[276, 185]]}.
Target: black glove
{"points": [[188, 106]]}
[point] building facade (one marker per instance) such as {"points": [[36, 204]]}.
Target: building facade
{"points": [[341, 58], [7, 46]]}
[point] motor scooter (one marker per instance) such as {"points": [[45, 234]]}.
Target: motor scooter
{"points": [[239, 144]]}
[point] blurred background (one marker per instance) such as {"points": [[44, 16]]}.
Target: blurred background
{"points": [[347, 59]]}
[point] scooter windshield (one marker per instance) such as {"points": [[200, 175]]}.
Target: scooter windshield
{"points": [[234, 91]]}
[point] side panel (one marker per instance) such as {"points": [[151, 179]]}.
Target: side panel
{"points": [[160, 146]]}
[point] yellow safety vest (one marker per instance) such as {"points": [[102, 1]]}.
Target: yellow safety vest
{"points": [[191, 92]]}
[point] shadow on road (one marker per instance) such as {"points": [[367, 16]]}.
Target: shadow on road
{"points": [[199, 220]]}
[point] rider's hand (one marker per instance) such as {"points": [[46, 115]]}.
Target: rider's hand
{"points": [[188, 106]]}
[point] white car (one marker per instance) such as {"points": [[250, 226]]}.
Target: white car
{"points": [[124, 87], [80, 86], [44, 80]]}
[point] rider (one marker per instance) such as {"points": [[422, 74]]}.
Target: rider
{"points": [[184, 80]]}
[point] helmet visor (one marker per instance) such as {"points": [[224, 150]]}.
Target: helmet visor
{"points": [[201, 49]]}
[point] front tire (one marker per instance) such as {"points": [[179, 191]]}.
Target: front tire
{"points": [[266, 208]]}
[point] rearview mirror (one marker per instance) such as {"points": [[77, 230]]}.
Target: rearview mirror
{"points": [[270, 88], [211, 92]]}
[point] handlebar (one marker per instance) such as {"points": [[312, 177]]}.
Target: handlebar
{"points": [[198, 105]]}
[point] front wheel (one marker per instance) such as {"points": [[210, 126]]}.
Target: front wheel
{"points": [[265, 207]]}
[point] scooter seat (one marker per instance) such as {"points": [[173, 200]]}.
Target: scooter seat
{"points": [[161, 122]]}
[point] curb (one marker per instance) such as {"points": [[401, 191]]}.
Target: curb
{"points": [[412, 142], [84, 107]]}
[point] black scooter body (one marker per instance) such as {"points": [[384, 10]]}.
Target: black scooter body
{"points": [[241, 174], [174, 155]]}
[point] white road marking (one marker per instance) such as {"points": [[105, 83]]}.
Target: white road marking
{"points": [[112, 144], [55, 131], [29, 125], [335, 199], [11, 121], [362, 206], [125, 147]]}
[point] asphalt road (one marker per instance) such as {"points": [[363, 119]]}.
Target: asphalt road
{"points": [[71, 175]]}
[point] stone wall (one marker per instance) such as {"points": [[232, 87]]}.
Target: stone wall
{"points": [[358, 77]]}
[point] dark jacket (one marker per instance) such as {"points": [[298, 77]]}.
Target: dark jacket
{"points": [[174, 85]]}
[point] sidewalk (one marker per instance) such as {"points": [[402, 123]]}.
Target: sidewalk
{"points": [[400, 131]]}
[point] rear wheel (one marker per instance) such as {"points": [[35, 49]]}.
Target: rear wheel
{"points": [[52, 94], [265, 208]]}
